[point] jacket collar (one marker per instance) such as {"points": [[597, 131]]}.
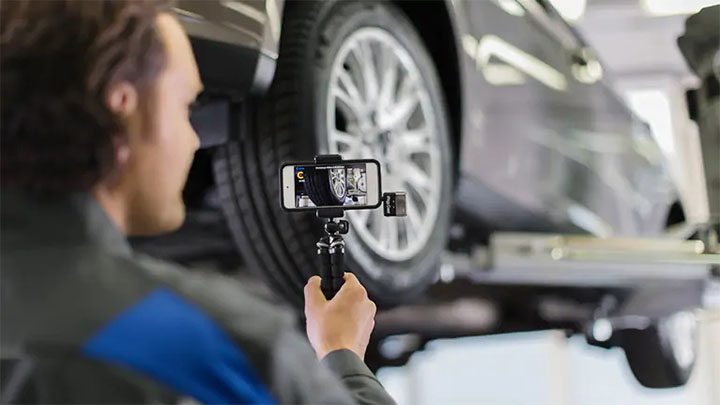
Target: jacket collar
{"points": [[68, 220]]}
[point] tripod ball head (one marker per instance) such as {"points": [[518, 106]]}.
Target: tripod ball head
{"points": [[340, 227]]}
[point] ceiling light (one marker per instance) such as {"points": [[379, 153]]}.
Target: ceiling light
{"points": [[675, 7], [571, 10]]}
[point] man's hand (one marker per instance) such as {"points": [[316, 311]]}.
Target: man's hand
{"points": [[345, 322]]}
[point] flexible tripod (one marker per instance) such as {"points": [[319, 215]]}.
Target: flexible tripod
{"points": [[331, 247], [331, 252]]}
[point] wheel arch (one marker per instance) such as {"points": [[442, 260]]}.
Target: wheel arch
{"points": [[441, 41]]}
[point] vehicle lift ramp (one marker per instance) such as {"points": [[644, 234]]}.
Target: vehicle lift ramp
{"points": [[583, 261]]}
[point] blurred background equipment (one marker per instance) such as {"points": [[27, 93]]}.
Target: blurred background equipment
{"points": [[700, 45], [555, 177]]}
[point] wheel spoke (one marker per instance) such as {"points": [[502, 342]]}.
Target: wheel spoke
{"points": [[384, 235], [351, 106], [413, 220], [364, 55], [414, 141], [389, 78], [407, 85], [346, 143], [393, 233], [362, 217], [344, 138], [414, 176], [352, 90], [366, 152], [389, 236], [403, 110], [374, 223], [403, 231], [337, 181]]}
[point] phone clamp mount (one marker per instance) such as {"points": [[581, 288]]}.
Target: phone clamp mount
{"points": [[331, 247]]}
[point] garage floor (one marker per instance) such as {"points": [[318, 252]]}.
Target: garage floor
{"points": [[541, 368]]}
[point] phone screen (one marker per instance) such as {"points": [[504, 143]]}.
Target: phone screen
{"points": [[351, 185]]}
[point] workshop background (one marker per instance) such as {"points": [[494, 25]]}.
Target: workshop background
{"points": [[637, 42]]}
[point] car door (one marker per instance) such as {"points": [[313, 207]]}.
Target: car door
{"points": [[612, 178], [517, 93]]}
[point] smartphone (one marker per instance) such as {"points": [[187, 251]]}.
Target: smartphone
{"points": [[350, 184]]}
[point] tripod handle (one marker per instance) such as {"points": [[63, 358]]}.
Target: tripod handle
{"points": [[326, 284], [331, 251], [337, 260]]}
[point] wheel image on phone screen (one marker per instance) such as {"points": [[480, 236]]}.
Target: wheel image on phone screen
{"points": [[326, 187]]}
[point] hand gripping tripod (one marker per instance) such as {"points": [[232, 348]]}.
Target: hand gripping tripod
{"points": [[331, 247]]}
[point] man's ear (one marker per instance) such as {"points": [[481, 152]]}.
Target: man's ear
{"points": [[122, 99]]}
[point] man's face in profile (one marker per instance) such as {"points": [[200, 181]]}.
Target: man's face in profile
{"points": [[162, 141]]}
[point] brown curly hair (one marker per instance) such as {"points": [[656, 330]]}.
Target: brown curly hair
{"points": [[58, 58]]}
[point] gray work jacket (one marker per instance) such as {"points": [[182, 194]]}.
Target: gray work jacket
{"points": [[87, 320]]}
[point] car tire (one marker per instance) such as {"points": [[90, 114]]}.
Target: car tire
{"points": [[654, 357], [290, 124]]}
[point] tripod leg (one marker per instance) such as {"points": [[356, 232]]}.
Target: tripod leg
{"points": [[337, 262], [326, 276]]}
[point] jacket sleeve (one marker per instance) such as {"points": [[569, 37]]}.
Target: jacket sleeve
{"points": [[357, 378], [340, 378]]}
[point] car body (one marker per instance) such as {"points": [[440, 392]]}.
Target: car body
{"points": [[577, 160]]}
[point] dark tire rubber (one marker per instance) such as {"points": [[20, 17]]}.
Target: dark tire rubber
{"points": [[318, 185], [651, 359]]}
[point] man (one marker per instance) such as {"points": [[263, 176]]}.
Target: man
{"points": [[96, 145]]}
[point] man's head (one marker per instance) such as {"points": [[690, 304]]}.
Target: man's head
{"points": [[96, 97]]}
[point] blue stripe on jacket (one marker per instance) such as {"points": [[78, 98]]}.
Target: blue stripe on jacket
{"points": [[175, 343]]}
